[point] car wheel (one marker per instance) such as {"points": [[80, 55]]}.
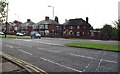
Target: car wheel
{"points": [[39, 37]]}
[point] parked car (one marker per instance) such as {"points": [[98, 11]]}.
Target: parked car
{"points": [[19, 34], [35, 34], [1, 33]]}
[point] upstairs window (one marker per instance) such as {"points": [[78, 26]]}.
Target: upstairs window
{"points": [[71, 27]]}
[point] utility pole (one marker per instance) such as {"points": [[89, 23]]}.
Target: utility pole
{"points": [[6, 20]]}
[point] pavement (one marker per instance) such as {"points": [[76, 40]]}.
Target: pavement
{"points": [[11, 65]]}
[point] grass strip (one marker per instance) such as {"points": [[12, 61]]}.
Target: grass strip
{"points": [[95, 46], [14, 37]]}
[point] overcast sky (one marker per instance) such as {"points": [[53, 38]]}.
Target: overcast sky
{"points": [[99, 12]]}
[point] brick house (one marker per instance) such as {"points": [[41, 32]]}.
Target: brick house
{"points": [[26, 27], [47, 27], [78, 28]]}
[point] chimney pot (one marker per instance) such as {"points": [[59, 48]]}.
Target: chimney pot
{"points": [[87, 19], [46, 18], [28, 20]]}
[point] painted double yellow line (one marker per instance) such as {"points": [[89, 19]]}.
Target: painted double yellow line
{"points": [[22, 63]]}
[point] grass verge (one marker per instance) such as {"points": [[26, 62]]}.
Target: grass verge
{"points": [[15, 37], [95, 46]]}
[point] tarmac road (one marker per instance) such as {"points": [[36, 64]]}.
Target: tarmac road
{"points": [[52, 56]]}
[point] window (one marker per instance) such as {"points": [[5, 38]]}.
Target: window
{"points": [[84, 26], [83, 33], [92, 34], [78, 27], [78, 34], [41, 26], [71, 27], [46, 26]]}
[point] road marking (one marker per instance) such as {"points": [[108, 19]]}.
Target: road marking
{"points": [[27, 40], [93, 58], [48, 50], [81, 56], [24, 51], [98, 64], [18, 61], [88, 65], [110, 61], [51, 43], [22, 39], [60, 64], [9, 46]]}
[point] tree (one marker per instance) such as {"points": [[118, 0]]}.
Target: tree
{"points": [[117, 24], [56, 19], [106, 32], [3, 10]]}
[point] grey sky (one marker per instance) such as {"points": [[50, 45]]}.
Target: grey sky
{"points": [[99, 12]]}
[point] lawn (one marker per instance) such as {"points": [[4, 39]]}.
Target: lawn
{"points": [[13, 36], [95, 46]]}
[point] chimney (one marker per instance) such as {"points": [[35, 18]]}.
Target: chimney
{"points": [[87, 19], [28, 20], [65, 20], [46, 18]]}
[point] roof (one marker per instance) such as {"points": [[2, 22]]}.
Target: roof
{"points": [[24, 25], [47, 22], [77, 21]]}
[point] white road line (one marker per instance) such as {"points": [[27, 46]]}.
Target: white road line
{"points": [[24, 51], [9, 46], [98, 65], [93, 58], [60, 64], [81, 56], [88, 65], [109, 61], [51, 43], [22, 40], [27, 40], [48, 50]]}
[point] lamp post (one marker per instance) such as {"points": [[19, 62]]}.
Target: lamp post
{"points": [[17, 16], [53, 11], [6, 19], [53, 19]]}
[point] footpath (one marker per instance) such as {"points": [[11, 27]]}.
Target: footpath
{"points": [[12, 65]]}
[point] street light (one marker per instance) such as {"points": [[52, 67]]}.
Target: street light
{"points": [[17, 16], [53, 10]]}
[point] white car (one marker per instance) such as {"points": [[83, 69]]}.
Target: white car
{"points": [[1, 33], [19, 34]]}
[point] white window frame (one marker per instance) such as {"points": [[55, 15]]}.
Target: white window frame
{"points": [[71, 27], [78, 27], [83, 33], [84, 26], [77, 33], [92, 33]]}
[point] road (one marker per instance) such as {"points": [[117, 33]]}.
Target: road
{"points": [[51, 55]]}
